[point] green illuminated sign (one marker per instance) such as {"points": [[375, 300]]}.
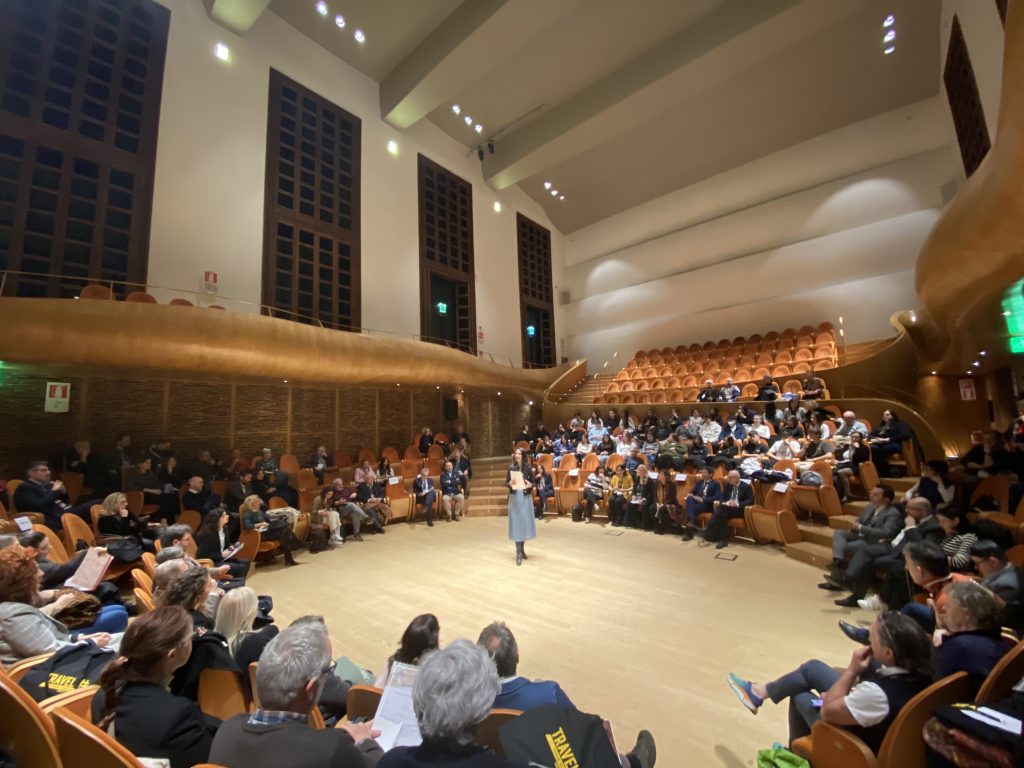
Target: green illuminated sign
{"points": [[1013, 314], [442, 308]]}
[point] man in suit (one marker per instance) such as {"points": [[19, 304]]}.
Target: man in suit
{"points": [[39, 494], [1002, 577], [451, 490], [291, 676], [461, 464], [198, 497], [319, 462], [709, 394], [919, 525], [423, 489], [735, 500], [239, 490], [701, 500], [877, 525]]}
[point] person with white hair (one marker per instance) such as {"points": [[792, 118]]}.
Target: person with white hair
{"points": [[452, 695], [293, 670]]}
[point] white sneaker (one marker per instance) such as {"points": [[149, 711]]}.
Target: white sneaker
{"points": [[871, 603], [337, 540]]}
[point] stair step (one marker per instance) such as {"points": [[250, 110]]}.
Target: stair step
{"points": [[817, 534], [842, 522], [855, 508], [813, 554]]}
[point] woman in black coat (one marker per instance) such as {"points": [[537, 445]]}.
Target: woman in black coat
{"points": [[212, 539]]}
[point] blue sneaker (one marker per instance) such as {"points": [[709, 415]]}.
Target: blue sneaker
{"points": [[745, 693]]}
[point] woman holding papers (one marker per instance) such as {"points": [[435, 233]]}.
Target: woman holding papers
{"points": [[521, 524], [213, 543]]}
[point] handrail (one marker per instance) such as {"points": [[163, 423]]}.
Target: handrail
{"points": [[206, 298], [561, 386]]}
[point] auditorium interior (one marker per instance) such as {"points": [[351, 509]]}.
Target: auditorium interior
{"points": [[671, 199]]}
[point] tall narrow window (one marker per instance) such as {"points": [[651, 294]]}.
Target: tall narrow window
{"points": [[311, 208], [447, 290], [536, 312], [80, 85], [964, 102]]}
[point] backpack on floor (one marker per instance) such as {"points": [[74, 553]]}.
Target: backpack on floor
{"points": [[318, 539], [577, 513]]}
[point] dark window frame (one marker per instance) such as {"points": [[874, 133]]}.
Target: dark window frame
{"points": [[533, 247], [965, 101], [318, 215]]}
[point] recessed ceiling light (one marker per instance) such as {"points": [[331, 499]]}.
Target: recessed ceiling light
{"points": [[889, 36], [547, 185], [499, 394], [976, 364], [530, 403], [456, 108], [286, 381], [321, 8], [360, 37], [934, 373], [478, 128], [983, 353], [393, 147], [340, 21], [222, 52], [554, 192], [889, 50], [889, 21], [561, 197], [497, 206], [468, 120]]}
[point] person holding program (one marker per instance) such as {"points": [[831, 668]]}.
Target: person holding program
{"points": [[521, 524]]}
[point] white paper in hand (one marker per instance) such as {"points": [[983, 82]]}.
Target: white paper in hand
{"points": [[780, 487], [393, 480], [395, 718]]}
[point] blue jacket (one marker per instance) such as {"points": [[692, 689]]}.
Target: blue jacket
{"points": [[520, 693], [451, 483]]}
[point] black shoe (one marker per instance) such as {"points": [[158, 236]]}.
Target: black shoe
{"points": [[644, 750], [722, 545], [830, 587], [857, 634], [847, 602], [525, 556], [519, 558], [430, 523], [356, 537], [687, 535]]}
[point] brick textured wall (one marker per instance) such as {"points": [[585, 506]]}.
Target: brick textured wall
{"points": [[220, 416]]}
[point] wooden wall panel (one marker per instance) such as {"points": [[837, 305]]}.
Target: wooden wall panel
{"points": [[197, 415], [396, 425], [357, 419]]}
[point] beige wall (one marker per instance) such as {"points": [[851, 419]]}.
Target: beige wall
{"points": [[208, 200], [829, 227]]}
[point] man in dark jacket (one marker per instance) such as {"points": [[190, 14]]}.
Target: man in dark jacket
{"points": [[39, 494], [290, 678], [736, 497]]}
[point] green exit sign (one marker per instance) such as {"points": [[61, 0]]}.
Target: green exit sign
{"points": [[442, 308]]}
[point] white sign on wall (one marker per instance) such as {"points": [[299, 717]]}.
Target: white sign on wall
{"points": [[58, 397], [967, 390], [210, 279]]}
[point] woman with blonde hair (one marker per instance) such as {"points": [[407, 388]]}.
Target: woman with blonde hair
{"points": [[235, 616]]}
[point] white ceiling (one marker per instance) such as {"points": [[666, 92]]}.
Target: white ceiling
{"points": [[621, 101]]}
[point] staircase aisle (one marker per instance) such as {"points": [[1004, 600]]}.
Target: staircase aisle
{"points": [[488, 496]]}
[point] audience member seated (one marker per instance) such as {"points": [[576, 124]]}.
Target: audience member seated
{"points": [[82, 459], [290, 677], [206, 467], [919, 524], [154, 492], [452, 695], [327, 516], [425, 493], [1002, 577], [239, 489], [190, 591], [237, 465], [737, 496], [852, 453], [958, 539], [161, 453], [198, 497], [709, 394], [421, 636], [811, 387], [255, 518], [848, 426], [887, 439], [461, 463], [47, 497], [545, 486], [319, 462], [236, 613], [620, 488], [701, 500], [987, 458], [180, 537], [55, 574], [640, 509], [167, 571], [25, 629], [594, 490], [730, 392], [971, 640], [768, 393], [134, 705], [212, 540], [665, 504], [816, 449], [342, 500], [786, 447], [865, 697], [934, 484], [876, 527], [451, 492]]}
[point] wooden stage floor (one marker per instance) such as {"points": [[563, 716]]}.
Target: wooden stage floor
{"points": [[639, 628]]}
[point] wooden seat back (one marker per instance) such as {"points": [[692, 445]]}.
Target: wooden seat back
{"points": [[1004, 675], [78, 701], [58, 554], [25, 731], [362, 701], [83, 745], [73, 484], [487, 733], [222, 693]]}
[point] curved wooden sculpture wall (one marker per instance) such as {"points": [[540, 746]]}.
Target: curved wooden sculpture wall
{"points": [[976, 249], [193, 341]]}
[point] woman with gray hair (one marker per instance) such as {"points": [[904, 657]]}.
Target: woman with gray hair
{"points": [[453, 693], [972, 641]]}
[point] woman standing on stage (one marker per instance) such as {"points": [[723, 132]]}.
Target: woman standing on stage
{"points": [[521, 523]]}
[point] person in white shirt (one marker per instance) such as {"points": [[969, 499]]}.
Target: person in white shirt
{"points": [[710, 430], [784, 448], [865, 697], [730, 392], [760, 427]]}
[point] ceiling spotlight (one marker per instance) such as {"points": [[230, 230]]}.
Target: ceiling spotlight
{"points": [[1007, 313], [976, 364], [547, 185], [554, 192], [561, 197], [934, 373], [456, 108], [478, 128], [889, 21], [359, 36], [222, 52], [983, 353], [889, 36], [321, 8], [286, 381], [499, 394], [393, 147], [497, 206], [530, 403], [340, 21], [468, 119], [889, 50]]}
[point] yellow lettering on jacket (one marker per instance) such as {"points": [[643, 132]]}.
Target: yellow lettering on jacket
{"points": [[561, 751]]}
